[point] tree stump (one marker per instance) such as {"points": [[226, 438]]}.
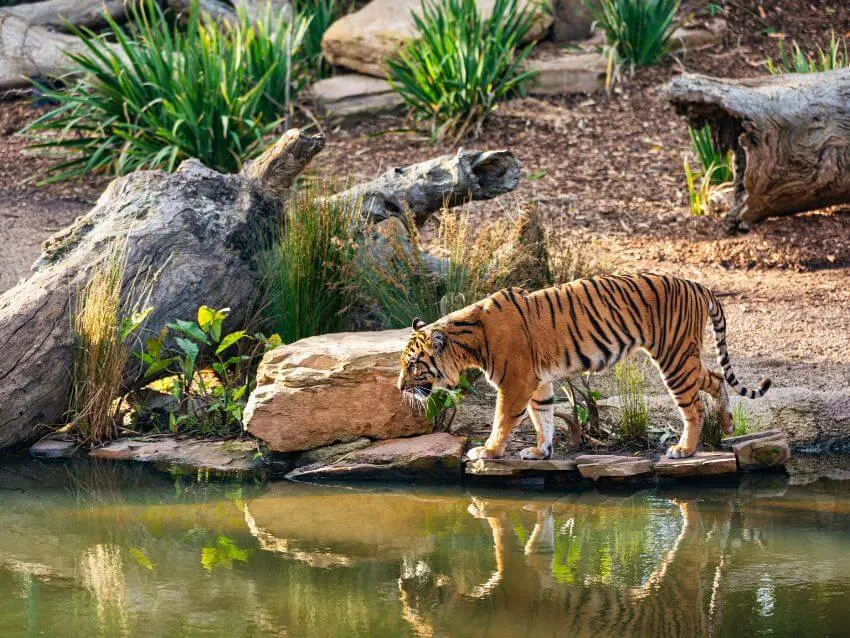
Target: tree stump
{"points": [[790, 136], [195, 233]]}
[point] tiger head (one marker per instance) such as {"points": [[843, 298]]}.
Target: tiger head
{"points": [[427, 362]]}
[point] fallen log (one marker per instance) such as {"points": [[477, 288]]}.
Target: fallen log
{"points": [[194, 232], [790, 136], [56, 14], [449, 180]]}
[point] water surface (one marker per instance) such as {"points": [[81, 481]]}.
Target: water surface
{"points": [[101, 549]]}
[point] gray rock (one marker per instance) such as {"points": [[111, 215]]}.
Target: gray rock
{"points": [[354, 97], [568, 73], [331, 453], [571, 20], [54, 448]]}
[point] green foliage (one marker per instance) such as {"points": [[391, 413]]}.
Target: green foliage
{"points": [[797, 61], [631, 389], [717, 165], [462, 64], [321, 15], [442, 403], [308, 270], [205, 408], [700, 187], [223, 554], [582, 399], [639, 30], [740, 420], [159, 94]]}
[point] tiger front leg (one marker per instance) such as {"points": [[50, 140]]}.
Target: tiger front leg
{"points": [[510, 410]]}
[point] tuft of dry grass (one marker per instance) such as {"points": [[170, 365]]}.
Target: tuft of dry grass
{"points": [[572, 258], [631, 389], [712, 422]]}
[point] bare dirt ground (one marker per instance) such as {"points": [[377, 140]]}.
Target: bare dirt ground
{"points": [[606, 169]]}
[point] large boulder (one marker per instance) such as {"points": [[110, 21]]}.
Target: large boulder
{"points": [[364, 39], [331, 388]]}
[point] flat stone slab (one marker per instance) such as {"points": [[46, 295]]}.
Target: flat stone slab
{"points": [[729, 442], [699, 35], [354, 97], [596, 466], [224, 457], [435, 456], [518, 467], [51, 448], [700, 464], [568, 73], [762, 453]]}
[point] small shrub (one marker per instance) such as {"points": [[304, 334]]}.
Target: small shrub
{"points": [[101, 324], [714, 162], [700, 188], [631, 389], [573, 258], [321, 15], [797, 61], [462, 64], [205, 408], [712, 423], [308, 270], [740, 420], [639, 30], [160, 95]]}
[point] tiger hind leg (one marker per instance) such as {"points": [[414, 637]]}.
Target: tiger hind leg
{"points": [[541, 409], [714, 384]]}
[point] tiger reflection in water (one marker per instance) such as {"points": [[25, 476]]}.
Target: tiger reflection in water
{"points": [[683, 596]]}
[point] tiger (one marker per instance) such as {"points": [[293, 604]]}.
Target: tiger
{"points": [[525, 341]]}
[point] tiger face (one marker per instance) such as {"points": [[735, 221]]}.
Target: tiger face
{"points": [[425, 365]]}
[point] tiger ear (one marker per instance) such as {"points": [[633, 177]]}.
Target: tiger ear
{"points": [[418, 324], [438, 341]]}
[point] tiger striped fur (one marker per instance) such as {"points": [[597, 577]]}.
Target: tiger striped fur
{"points": [[524, 341]]}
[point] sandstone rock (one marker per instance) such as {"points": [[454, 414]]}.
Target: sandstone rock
{"points": [[332, 388], [762, 453], [571, 20], [364, 39], [700, 464], [331, 453], [730, 441], [354, 97], [220, 457], [596, 466], [518, 467], [699, 35], [568, 73], [54, 448], [436, 456]]}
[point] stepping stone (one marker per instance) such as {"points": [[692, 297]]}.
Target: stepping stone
{"points": [[354, 97], [54, 449], [700, 464], [730, 441], [517, 467], [762, 453], [597, 466]]}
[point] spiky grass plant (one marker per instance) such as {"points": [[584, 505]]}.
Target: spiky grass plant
{"points": [[700, 186], [102, 320], [740, 420], [159, 94], [462, 64], [797, 61], [321, 15], [307, 271], [639, 30], [633, 425], [712, 422], [714, 161]]}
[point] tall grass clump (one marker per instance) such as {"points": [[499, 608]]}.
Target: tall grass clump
{"points": [[101, 323], [573, 258], [638, 30], [307, 271], [797, 61], [712, 422], [321, 14], [631, 389], [714, 161], [740, 420], [462, 64], [161, 93], [403, 281]]}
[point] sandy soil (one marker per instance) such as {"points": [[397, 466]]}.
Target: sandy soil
{"points": [[608, 169]]}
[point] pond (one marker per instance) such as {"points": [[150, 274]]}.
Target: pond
{"points": [[105, 549]]}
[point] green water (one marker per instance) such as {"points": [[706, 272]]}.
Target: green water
{"points": [[92, 549]]}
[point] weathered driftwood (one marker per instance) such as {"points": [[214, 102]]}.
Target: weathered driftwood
{"points": [[57, 13], [196, 232], [790, 135], [425, 188]]}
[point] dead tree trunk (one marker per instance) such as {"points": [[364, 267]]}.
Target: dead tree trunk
{"points": [[82, 13], [790, 135], [196, 232]]}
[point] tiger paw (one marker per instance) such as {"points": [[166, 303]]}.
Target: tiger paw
{"points": [[481, 452], [679, 452], [535, 454]]}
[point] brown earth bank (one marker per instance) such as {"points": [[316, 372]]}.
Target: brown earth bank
{"points": [[604, 169]]}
